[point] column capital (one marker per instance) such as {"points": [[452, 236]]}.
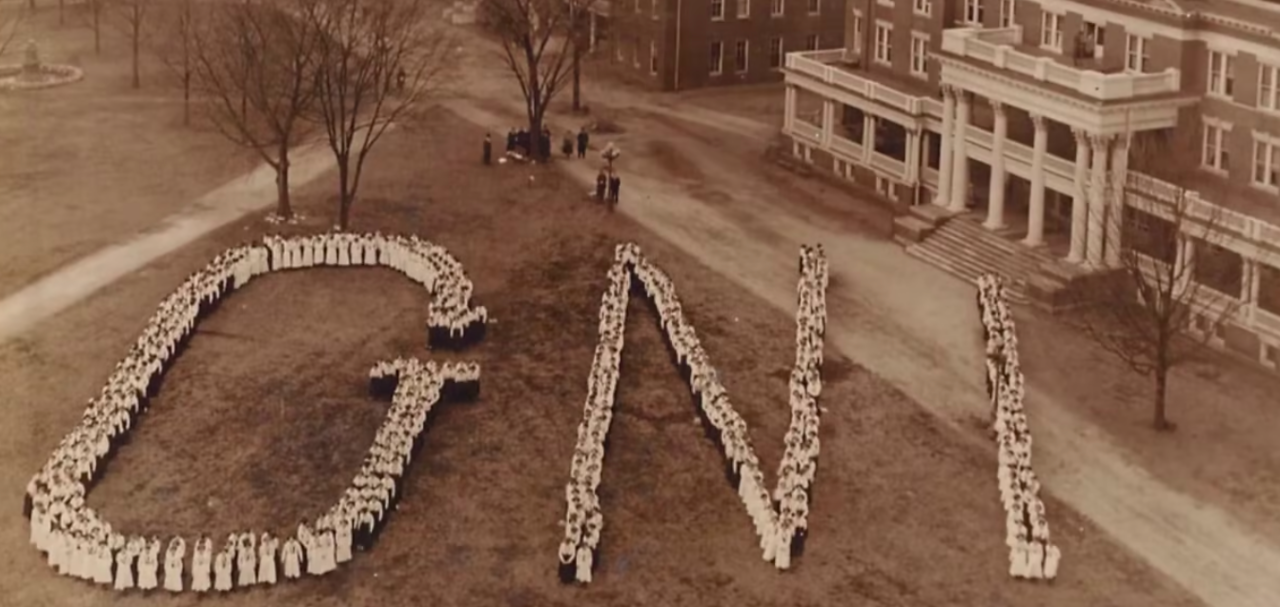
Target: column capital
{"points": [[1081, 135], [997, 106], [948, 91], [1100, 141], [1037, 120]]}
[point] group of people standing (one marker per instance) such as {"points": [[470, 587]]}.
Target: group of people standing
{"points": [[1031, 555], [780, 520], [78, 542]]}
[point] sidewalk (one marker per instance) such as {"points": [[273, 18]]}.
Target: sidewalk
{"points": [[917, 327], [233, 200]]}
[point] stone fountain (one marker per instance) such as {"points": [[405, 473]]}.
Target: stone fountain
{"points": [[33, 74]]}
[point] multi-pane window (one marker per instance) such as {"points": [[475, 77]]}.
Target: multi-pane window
{"points": [[717, 58], [1215, 155], [1008, 12], [775, 52], [776, 7], [1095, 40], [1135, 55], [815, 7], [923, 7], [740, 56], [717, 9], [635, 52], [1222, 76], [1268, 87], [920, 55], [1051, 31], [653, 9], [884, 42], [744, 9], [811, 42], [973, 12], [653, 58], [1266, 163]]}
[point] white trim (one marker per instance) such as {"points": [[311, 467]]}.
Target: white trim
{"points": [[714, 4], [1136, 62], [887, 58], [972, 12], [1221, 132], [717, 66], [1054, 44], [782, 53], [777, 8], [918, 38], [922, 8], [746, 56], [742, 9], [1225, 81], [1010, 18], [1273, 104]]}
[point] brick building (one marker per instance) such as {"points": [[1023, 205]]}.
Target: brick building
{"points": [[684, 44], [1017, 117]]}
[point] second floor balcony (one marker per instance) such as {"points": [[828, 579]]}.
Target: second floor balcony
{"points": [[1003, 49]]}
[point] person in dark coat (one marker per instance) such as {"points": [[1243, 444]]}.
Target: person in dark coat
{"points": [[615, 184], [583, 140], [545, 143], [566, 146], [488, 150], [602, 184], [511, 141]]}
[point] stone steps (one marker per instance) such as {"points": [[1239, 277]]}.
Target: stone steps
{"points": [[963, 248]]}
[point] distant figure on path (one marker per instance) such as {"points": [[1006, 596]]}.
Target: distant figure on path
{"points": [[583, 140], [566, 146], [602, 183], [511, 141], [488, 150], [615, 184]]}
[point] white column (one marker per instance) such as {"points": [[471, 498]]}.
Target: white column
{"points": [[1115, 208], [828, 120], [1248, 268], [868, 137], [915, 138], [1097, 200], [960, 155], [995, 191], [789, 117], [1080, 203], [1035, 218], [948, 134]]}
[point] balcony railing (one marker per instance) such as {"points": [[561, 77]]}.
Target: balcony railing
{"points": [[815, 64], [998, 48]]}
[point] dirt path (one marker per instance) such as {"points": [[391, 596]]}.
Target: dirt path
{"points": [[231, 201], [917, 328]]}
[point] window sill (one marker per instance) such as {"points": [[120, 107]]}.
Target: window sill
{"points": [[1049, 48]]}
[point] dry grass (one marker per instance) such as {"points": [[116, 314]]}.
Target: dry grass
{"points": [[90, 163], [264, 419]]}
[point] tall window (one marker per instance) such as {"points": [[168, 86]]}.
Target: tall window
{"points": [[811, 42], [1268, 87], [920, 55], [857, 32], [1136, 56], [1008, 12], [1051, 31], [717, 10], [744, 9], [653, 58], [1215, 155], [1222, 78], [1095, 39], [776, 7], [635, 52], [717, 58], [1266, 163], [923, 8], [973, 12], [740, 56], [815, 7], [884, 42], [775, 53]]}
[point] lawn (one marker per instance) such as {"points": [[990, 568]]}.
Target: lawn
{"points": [[264, 419]]}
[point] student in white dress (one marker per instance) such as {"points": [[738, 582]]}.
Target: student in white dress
{"points": [[1051, 557], [1018, 561], [173, 564], [342, 538], [102, 561], [222, 564], [201, 563], [246, 561], [291, 556], [149, 565], [584, 565], [1035, 560], [124, 568], [267, 559]]}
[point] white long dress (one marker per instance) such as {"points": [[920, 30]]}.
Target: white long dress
{"points": [[102, 561], [267, 560], [342, 548], [200, 574], [291, 556], [124, 569], [149, 567], [247, 566], [173, 567], [584, 565], [222, 572]]}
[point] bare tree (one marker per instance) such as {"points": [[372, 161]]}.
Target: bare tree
{"points": [[10, 23], [1176, 285], [175, 34], [130, 19], [580, 32], [254, 62], [96, 8], [377, 61], [537, 44]]}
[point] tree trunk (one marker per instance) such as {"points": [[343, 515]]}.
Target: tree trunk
{"points": [[345, 196], [186, 97], [284, 208], [96, 7], [577, 78], [137, 43], [62, 12], [1160, 420]]}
